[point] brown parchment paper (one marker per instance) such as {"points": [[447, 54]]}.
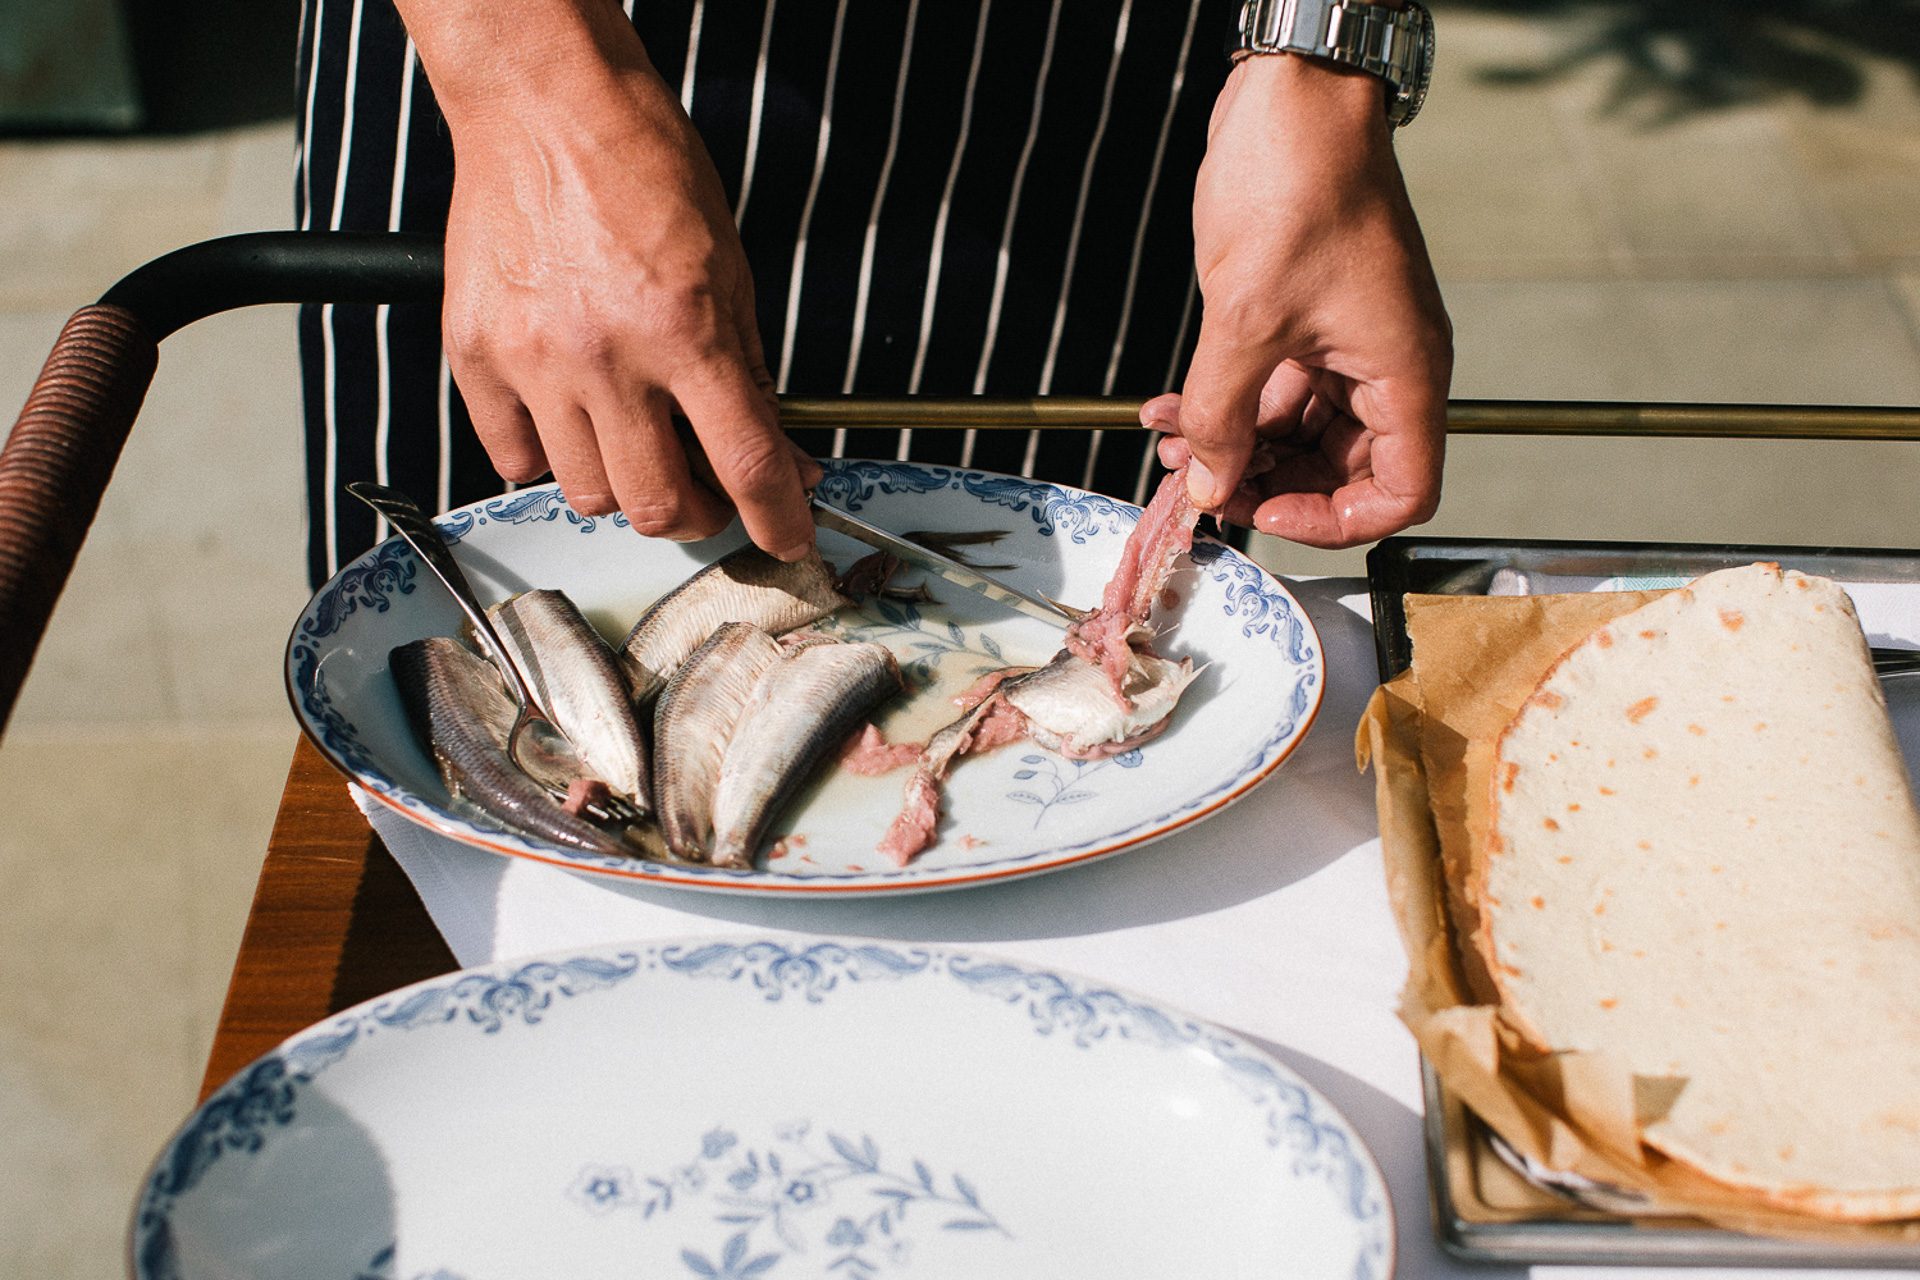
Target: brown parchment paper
{"points": [[1429, 735]]}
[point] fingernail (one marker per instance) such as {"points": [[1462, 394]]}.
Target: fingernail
{"points": [[794, 552], [1202, 487]]}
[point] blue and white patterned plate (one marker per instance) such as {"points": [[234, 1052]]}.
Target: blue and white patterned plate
{"points": [[760, 1107], [1014, 812]]}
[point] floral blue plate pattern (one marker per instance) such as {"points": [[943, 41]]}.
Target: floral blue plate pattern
{"points": [[759, 1107], [1014, 812]]}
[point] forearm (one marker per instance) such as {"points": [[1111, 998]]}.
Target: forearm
{"points": [[493, 64], [1325, 108], [1300, 193]]}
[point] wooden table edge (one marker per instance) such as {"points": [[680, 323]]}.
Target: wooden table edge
{"points": [[334, 921]]}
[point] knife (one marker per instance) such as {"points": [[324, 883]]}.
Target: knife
{"points": [[945, 567]]}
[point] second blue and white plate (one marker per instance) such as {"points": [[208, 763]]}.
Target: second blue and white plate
{"points": [[763, 1109]]}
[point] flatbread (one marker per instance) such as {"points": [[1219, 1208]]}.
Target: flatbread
{"points": [[1704, 858]]}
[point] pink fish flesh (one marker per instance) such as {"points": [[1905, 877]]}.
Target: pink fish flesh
{"points": [[1108, 636], [1105, 693], [868, 754], [919, 816]]}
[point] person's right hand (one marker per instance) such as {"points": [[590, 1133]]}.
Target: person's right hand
{"points": [[596, 285]]}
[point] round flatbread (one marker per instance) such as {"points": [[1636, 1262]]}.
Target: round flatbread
{"points": [[1704, 858]]}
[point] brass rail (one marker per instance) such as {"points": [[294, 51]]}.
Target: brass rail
{"points": [[1464, 417]]}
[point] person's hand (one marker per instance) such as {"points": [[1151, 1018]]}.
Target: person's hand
{"points": [[1323, 338], [596, 286]]}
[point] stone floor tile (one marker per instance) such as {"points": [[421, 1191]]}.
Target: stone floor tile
{"points": [[218, 442], [1837, 341], [115, 934], [78, 217], [208, 497], [1760, 492], [257, 191], [1806, 341], [65, 1194], [1865, 162], [1498, 196], [1791, 492], [105, 657], [25, 339], [225, 612], [97, 996], [1718, 193], [232, 808], [1869, 172], [184, 592], [1906, 288]]}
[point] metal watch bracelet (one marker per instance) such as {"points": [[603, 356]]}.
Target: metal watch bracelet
{"points": [[1394, 44]]}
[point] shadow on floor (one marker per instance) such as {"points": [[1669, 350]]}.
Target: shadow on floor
{"points": [[1677, 58]]}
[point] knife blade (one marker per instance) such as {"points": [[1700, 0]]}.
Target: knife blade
{"points": [[943, 567]]}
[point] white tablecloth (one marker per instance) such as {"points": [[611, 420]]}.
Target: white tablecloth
{"points": [[1270, 918]]}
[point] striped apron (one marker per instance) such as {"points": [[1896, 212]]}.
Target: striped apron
{"points": [[942, 197]]}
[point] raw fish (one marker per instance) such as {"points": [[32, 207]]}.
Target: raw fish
{"points": [[1105, 693], [1069, 710], [801, 712], [461, 713], [578, 681], [1108, 636], [694, 721], [747, 585]]}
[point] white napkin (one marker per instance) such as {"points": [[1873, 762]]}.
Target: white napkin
{"points": [[1270, 917]]}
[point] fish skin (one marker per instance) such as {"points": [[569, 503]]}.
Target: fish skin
{"points": [[461, 713], [1069, 707], [747, 585], [693, 722], [574, 674], [800, 713]]}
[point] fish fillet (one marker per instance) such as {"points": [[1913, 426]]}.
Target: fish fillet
{"points": [[747, 585], [800, 713], [694, 721]]}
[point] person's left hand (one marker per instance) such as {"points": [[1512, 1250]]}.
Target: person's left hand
{"points": [[1323, 340]]}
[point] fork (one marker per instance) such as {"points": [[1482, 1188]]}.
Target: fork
{"points": [[530, 720]]}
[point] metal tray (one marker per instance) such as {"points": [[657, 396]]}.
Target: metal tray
{"points": [[1484, 1208], [1468, 567]]}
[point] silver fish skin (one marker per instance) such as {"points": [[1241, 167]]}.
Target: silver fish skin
{"points": [[574, 674], [694, 721], [747, 585], [1070, 707], [802, 710], [461, 713]]}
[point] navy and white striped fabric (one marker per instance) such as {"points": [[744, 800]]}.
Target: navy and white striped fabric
{"points": [[946, 197]]}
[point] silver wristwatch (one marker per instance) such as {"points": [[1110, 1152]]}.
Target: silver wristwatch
{"points": [[1394, 44]]}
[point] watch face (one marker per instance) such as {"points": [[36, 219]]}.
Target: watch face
{"points": [[1406, 104]]}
